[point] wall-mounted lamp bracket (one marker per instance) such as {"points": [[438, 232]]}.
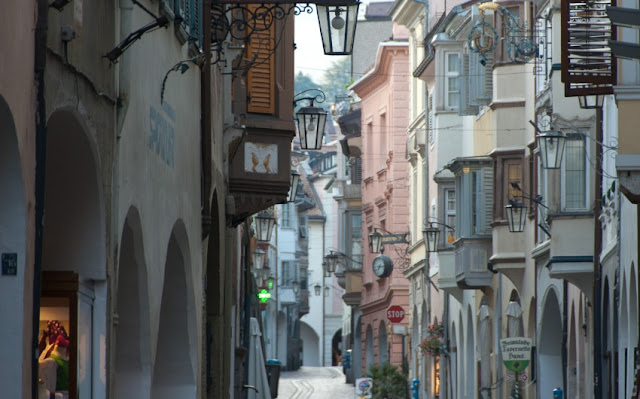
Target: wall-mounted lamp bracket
{"points": [[113, 55]]}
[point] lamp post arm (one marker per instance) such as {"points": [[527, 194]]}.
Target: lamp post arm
{"points": [[320, 97]]}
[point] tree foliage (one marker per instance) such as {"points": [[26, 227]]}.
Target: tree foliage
{"points": [[336, 78]]}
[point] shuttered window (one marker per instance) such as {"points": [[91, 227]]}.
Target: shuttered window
{"points": [[190, 14], [261, 76]]}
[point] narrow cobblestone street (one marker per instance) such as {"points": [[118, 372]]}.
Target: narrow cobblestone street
{"points": [[315, 383]]}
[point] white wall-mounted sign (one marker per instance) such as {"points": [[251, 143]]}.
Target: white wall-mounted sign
{"points": [[261, 158]]}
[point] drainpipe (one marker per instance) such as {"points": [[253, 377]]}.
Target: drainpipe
{"points": [[40, 49], [205, 121], [597, 248]]}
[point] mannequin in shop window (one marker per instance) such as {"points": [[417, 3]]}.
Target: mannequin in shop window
{"points": [[53, 364]]}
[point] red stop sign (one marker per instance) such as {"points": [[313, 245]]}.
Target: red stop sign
{"points": [[395, 314]]}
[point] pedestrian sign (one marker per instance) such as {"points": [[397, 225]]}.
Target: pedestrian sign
{"points": [[363, 388], [516, 353]]}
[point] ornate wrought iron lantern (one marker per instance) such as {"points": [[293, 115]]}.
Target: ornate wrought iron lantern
{"points": [[375, 241], [431, 235], [551, 145], [516, 214], [338, 27], [264, 225], [293, 191], [310, 121], [258, 258]]}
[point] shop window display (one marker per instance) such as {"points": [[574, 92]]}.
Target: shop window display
{"points": [[57, 361]]}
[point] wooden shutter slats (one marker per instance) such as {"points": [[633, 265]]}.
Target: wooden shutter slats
{"points": [[261, 75]]}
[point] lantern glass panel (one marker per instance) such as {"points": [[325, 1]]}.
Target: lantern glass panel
{"points": [[258, 258], [293, 190]]}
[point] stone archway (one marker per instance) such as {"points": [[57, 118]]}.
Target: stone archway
{"points": [[550, 346], [74, 232], [13, 236], [132, 333], [336, 348], [310, 344], [453, 362], [74, 246], [174, 366]]}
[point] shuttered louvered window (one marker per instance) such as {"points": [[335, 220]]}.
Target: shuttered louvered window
{"points": [[261, 76], [466, 88], [588, 66], [189, 12]]}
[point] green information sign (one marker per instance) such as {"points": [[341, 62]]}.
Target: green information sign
{"points": [[264, 296], [516, 353]]}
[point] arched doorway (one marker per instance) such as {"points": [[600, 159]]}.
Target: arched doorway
{"points": [[174, 366], [369, 349], [310, 345], [356, 357], [550, 346], [336, 348], [452, 381], [13, 247], [132, 334], [470, 365], [572, 378], [383, 347], [74, 250]]}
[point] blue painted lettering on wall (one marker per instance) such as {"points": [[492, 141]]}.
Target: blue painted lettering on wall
{"points": [[161, 134]]}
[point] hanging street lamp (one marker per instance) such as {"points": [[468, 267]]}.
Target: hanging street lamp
{"points": [[431, 235], [293, 191], [338, 27], [331, 261], [551, 145], [375, 241], [317, 289], [264, 225], [311, 120], [516, 214], [258, 258]]}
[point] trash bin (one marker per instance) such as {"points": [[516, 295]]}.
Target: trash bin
{"points": [[273, 374]]}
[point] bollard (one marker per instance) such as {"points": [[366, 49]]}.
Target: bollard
{"points": [[557, 393], [415, 388]]}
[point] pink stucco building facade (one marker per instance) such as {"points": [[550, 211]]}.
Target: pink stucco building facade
{"points": [[384, 92]]}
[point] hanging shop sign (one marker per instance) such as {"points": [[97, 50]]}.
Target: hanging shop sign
{"points": [[264, 295], [516, 353]]}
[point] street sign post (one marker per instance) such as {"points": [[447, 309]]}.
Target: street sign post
{"points": [[395, 314], [516, 355]]}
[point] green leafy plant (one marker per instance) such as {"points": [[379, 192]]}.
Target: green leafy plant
{"points": [[433, 344], [388, 382]]}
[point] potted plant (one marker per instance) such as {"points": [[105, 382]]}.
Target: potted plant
{"points": [[433, 344]]}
